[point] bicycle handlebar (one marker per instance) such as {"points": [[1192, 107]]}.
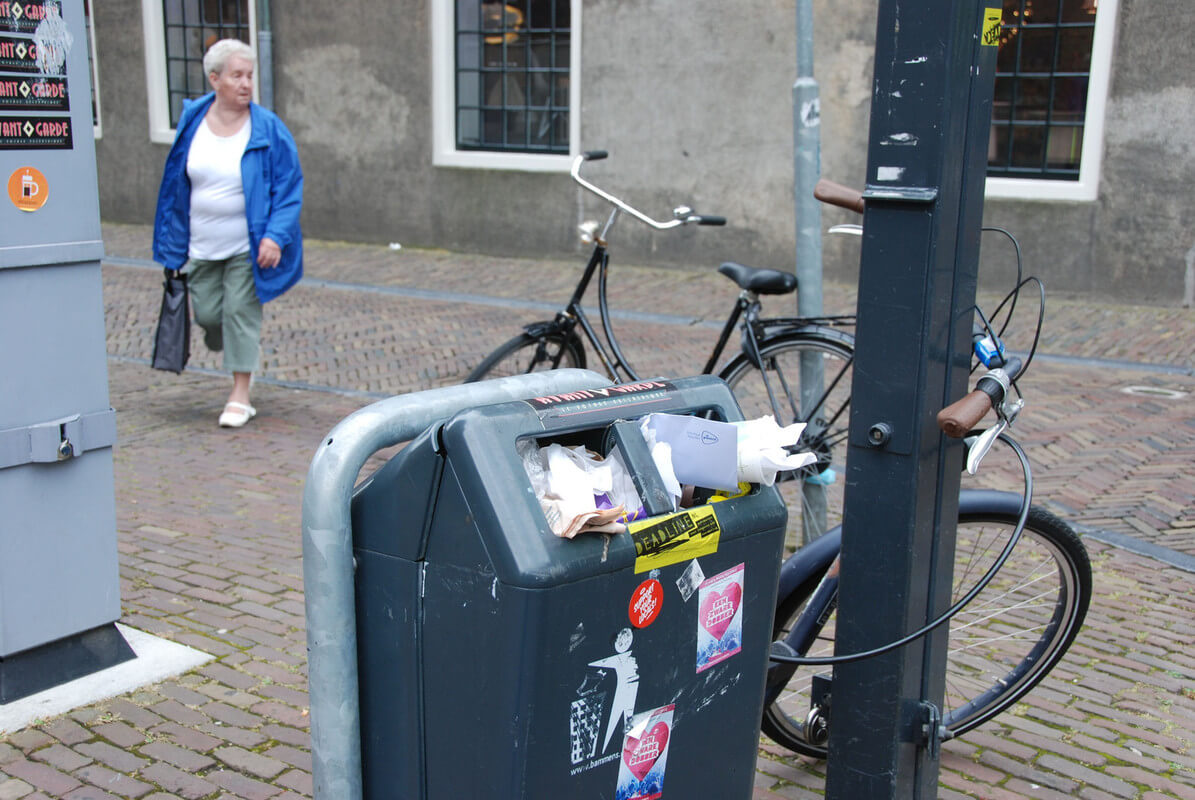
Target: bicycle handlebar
{"points": [[598, 155], [958, 418]]}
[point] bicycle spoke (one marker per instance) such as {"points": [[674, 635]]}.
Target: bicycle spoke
{"points": [[777, 386]]}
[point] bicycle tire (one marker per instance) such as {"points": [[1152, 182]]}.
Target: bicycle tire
{"points": [[996, 653], [826, 414], [513, 358]]}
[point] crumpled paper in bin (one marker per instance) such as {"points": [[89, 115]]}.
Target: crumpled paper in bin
{"points": [[579, 490]]}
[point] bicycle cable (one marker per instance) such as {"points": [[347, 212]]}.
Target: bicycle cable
{"points": [[1016, 246], [818, 661]]}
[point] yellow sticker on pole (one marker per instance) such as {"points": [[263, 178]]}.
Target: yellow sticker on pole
{"points": [[674, 538], [991, 27]]}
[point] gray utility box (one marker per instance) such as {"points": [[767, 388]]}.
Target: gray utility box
{"points": [[498, 660], [59, 581]]}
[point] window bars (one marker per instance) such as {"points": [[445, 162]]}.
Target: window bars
{"points": [[191, 27], [1042, 76], [512, 76]]}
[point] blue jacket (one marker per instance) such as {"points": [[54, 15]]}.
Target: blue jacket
{"points": [[273, 184]]}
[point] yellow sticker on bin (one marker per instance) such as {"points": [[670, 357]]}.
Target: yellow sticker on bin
{"points": [[674, 538], [991, 26]]}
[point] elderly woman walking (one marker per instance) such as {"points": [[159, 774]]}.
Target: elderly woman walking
{"points": [[228, 215]]}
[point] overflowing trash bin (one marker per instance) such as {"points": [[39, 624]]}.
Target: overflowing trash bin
{"points": [[498, 659]]}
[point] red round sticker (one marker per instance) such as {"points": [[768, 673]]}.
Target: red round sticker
{"points": [[646, 602]]}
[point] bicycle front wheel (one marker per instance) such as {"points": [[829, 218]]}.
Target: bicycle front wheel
{"points": [[1001, 644], [530, 353], [803, 376]]}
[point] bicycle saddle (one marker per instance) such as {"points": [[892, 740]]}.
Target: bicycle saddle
{"points": [[760, 281]]}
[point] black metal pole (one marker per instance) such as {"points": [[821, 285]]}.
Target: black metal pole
{"points": [[930, 120]]}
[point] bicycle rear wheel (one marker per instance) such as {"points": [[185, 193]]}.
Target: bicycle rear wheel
{"points": [[789, 368], [530, 353], [1000, 645]]}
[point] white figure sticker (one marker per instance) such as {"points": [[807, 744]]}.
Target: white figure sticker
{"points": [[619, 672]]}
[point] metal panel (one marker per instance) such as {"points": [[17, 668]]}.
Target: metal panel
{"points": [[58, 564], [67, 227], [930, 115]]}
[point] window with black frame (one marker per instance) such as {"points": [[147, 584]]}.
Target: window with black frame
{"points": [[191, 27], [512, 76], [1043, 72]]}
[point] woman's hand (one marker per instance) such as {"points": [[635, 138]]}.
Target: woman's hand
{"points": [[268, 253]]}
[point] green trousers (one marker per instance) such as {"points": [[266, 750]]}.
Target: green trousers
{"points": [[224, 301]]}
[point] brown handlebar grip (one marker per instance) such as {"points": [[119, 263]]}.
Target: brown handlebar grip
{"points": [[963, 415], [838, 195]]}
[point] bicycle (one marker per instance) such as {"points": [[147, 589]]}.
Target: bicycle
{"points": [[791, 350], [1007, 629]]}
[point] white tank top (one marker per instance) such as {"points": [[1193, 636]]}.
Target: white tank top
{"points": [[218, 226]]}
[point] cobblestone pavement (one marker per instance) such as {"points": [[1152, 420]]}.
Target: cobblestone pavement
{"points": [[209, 525]]}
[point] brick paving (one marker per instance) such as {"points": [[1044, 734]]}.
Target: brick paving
{"points": [[210, 553]]}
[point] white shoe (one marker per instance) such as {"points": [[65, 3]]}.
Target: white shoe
{"points": [[235, 414]]}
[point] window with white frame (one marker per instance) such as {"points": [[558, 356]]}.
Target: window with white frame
{"points": [[505, 83], [1052, 76], [177, 34]]}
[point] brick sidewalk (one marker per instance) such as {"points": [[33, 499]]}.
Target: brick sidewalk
{"points": [[209, 534]]}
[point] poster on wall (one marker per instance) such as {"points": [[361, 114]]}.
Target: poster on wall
{"points": [[23, 16], [28, 93], [35, 133]]}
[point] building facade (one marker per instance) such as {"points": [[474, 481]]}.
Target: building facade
{"points": [[450, 123]]}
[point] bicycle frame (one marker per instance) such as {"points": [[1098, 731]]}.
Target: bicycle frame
{"points": [[744, 315]]}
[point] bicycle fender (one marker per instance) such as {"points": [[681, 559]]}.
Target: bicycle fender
{"points": [[542, 328], [748, 346], [808, 562]]}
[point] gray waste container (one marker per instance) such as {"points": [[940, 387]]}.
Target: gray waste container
{"points": [[498, 660]]}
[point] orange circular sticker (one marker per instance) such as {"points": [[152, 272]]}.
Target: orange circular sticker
{"points": [[27, 189], [645, 603]]}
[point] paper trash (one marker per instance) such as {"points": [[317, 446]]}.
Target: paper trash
{"points": [[704, 451], [762, 453], [578, 490], [582, 491], [718, 455]]}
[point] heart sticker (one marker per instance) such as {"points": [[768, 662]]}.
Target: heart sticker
{"points": [[718, 609], [641, 755]]}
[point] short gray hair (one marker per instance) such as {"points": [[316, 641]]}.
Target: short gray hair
{"points": [[218, 54]]}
